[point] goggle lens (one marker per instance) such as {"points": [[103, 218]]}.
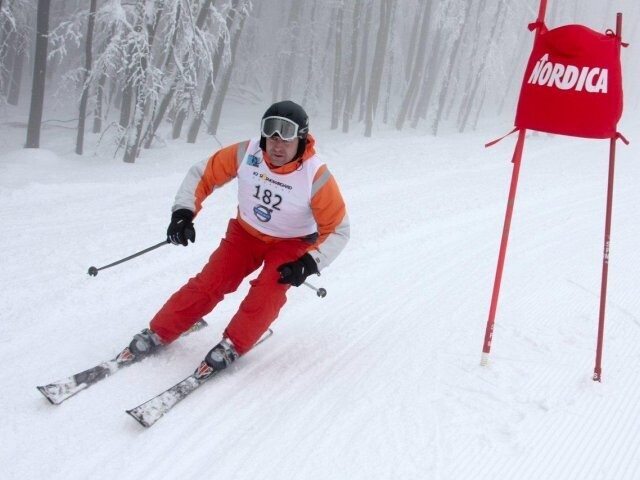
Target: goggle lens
{"points": [[285, 128]]}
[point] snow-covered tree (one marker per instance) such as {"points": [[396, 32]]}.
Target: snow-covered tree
{"points": [[17, 27]]}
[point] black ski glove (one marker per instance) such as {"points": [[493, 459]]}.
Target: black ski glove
{"points": [[295, 273], [181, 228]]}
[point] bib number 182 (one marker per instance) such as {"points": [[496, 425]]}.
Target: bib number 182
{"points": [[267, 197]]}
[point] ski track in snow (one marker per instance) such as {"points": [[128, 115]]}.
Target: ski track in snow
{"points": [[380, 379]]}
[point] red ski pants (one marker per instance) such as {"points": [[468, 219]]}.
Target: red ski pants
{"points": [[238, 255]]}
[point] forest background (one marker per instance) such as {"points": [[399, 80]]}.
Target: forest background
{"points": [[142, 72]]}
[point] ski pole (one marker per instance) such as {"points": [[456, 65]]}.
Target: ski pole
{"points": [[93, 271], [321, 292]]}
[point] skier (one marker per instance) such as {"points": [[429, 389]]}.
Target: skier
{"points": [[291, 220]]}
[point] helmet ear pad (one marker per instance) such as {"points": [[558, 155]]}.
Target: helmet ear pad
{"points": [[302, 144]]}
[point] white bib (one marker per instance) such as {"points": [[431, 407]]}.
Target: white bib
{"points": [[274, 204]]}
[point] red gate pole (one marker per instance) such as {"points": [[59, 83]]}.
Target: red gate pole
{"points": [[517, 157], [597, 371], [605, 262], [542, 11]]}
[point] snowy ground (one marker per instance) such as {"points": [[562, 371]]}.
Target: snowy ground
{"points": [[379, 380]]}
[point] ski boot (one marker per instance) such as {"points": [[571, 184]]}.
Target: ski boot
{"points": [[145, 343], [222, 355]]}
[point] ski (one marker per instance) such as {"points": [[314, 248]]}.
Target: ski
{"points": [[149, 412], [58, 392]]}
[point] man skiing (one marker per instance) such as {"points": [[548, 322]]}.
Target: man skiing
{"points": [[291, 220]]}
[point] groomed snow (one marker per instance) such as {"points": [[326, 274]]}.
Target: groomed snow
{"points": [[380, 379]]}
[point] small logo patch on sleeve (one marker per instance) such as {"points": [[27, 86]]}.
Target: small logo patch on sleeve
{"points": [[253, 161]]}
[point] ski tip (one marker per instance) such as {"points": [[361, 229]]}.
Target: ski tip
{"points": [[43, 391], [138, 419]]}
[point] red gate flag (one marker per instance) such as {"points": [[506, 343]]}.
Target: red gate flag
{"points": [[572, 84]]}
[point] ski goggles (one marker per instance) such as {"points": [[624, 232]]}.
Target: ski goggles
{"points": [[285, 128]]}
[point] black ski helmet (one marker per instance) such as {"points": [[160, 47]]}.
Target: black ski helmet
{"points": [[293, 112]]}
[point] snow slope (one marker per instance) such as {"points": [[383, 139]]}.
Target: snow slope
{"points": [[381, 379]]}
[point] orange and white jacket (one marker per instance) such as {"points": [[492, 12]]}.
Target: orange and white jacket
{"points": [[298, 200]]}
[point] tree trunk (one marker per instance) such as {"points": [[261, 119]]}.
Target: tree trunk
{"points": [[127, 105], [480, 74], [16, 78], [385, 115], [7, 56], [482, 98], [359, 83], [134, 138], [159, 110], [327, 46], [452, 63], [214, 119], [337, 68], [467, 71], [471, 62], [312, 57], [294, 41], [513, 80], [414, 42], [378, 66], [278, 67], [432, 69], [417, 68], [88, 62], [353, 57], [39, 75], [97, 113], [160, 113], [209, 86], [126, 99]]}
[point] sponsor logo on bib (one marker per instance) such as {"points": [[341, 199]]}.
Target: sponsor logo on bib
{"points": [[262, 213]]}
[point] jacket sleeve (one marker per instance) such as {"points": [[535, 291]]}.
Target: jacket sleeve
{"points": [[205, 176], [330, 214]]}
